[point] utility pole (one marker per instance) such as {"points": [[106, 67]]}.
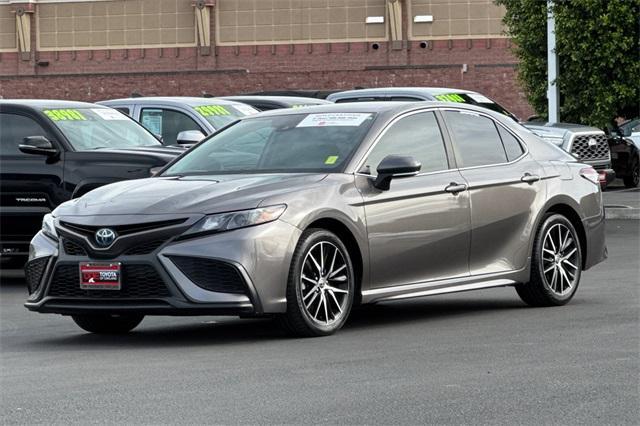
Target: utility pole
{"points": [[552, 66]]}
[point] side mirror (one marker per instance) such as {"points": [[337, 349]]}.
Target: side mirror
{"points": [[189, 137], [37, 145], [393, 166]]}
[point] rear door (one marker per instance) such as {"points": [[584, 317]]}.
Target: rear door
{"points": [[505, 189], [30, 185], [417, 230]]}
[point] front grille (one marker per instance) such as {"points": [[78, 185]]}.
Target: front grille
{"points": [[90, 230], [210, 274], [33, 271], [72, 248], [138, 281], [144, 248], [581, 150]]}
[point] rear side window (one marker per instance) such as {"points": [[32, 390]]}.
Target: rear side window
{"points": [[511, 145], [417, 135], [124, 110], [476, 139], [13, 129]]}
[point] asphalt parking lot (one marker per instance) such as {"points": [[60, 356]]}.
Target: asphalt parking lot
{"points": [[477, 357]]}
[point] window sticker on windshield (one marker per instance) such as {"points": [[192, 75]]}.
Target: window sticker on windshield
{"points": [[450, 97], [208, 110], [245, 109], [109, 114], [331, 159], [481, 99], [64, 115], [353, 119]]}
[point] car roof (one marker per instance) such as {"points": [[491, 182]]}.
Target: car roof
{"points": [[169, 100], [48, 103], [391, 108], [285, 100], [418, 91]]}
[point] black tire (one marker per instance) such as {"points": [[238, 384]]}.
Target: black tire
{"points": [[297, 320], [632, 180], [539, 291], [108, 324]]}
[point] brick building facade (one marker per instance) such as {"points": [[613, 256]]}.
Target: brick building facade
{"points": [[99, 49]]}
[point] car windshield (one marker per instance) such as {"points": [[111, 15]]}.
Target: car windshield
{"points": [[296, 143], [94, 128], [475, 99], [221, 115]]}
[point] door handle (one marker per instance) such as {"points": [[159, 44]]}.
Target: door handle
{"points": [[454, 188], [529, 178]]}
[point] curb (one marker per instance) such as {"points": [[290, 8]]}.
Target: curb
{"points": [[620, 212]]}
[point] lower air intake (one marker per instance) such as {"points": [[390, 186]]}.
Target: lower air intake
{"points": [[211, 274]]}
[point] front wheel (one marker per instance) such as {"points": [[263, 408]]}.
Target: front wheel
{"points": [[320, 287], [108, 324], [556, 265]]}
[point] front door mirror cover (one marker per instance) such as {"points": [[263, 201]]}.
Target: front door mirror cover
{"points": [[38, 145], [393, 166], [189, 137]]}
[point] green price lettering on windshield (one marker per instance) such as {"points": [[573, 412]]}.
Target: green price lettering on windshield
{"points": [[207, 110], [451, 97], [65, 115]]}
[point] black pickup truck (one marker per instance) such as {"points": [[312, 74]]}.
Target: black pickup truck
{"points": [[52, 151]]}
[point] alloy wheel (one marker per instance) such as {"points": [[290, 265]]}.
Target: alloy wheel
{"points": [[324, 283], [560, 260]]}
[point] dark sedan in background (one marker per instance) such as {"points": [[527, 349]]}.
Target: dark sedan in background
{"points": [[302, 213]]}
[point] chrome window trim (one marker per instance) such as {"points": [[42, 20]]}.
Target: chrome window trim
{"points": [[497, 123], [364, 157]]}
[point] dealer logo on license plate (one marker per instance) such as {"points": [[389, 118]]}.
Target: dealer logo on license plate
{"points": [[100, 276]]}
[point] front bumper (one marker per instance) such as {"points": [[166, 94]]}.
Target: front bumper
{"points": [[155, 284]]}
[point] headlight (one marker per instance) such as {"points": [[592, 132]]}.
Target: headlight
{"points": [[233, 220], [48, 227]]}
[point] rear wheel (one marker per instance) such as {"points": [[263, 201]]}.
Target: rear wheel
{"points": [[320, 288], [108, 324], [632, 180], [556, 265]]}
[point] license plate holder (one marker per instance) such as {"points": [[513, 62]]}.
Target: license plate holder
{"points": [[100, 276]]}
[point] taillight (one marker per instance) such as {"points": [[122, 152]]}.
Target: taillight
{"points": [[590, 174]]}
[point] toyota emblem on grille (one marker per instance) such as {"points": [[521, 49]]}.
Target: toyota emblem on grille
{"points": [[105, 236], [593, 144]]}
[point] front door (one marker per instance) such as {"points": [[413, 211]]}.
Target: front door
{"points": [[417, 230], [30, 186]]}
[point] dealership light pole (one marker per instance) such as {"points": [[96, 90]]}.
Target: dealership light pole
{"points": [[552, 66]]}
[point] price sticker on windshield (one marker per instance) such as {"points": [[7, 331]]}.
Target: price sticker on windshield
{"points": [[109, 114], [64, 115], [208, 110], [451, 97], [353, 119]]}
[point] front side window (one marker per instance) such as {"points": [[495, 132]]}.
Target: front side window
{"points": [[94, 128], [418, 136], [167, 123], [296, 143], [13, 129], [476, 139]]}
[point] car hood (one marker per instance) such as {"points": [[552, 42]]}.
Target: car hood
{"points": [[185, 195]]}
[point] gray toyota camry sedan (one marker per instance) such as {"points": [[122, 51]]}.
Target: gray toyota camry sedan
{"points": [[302, 214]]}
